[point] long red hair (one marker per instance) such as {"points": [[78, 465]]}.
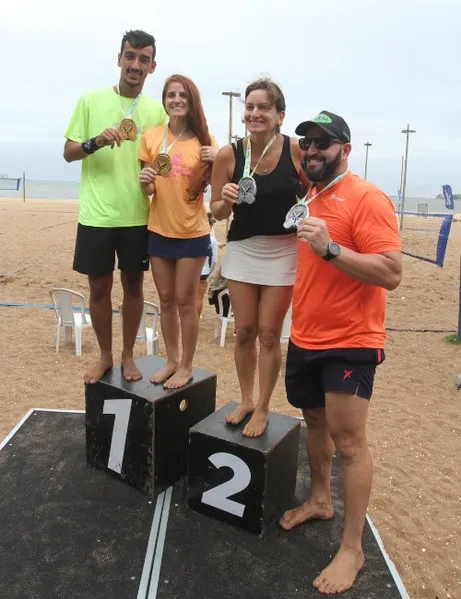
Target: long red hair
{"points": [[202, 172]]}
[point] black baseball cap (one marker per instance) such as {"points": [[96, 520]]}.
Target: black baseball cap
{"points": [[332, 124]]}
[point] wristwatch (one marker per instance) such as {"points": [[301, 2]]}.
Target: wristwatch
{"points": [[332, 251], [89, 146]]}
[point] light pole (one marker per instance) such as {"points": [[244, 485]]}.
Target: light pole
{"points": [[407, 132], [231, 95], [367, 145]]}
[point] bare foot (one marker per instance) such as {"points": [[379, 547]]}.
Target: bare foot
{"points": [[179, 379], [240, 413], [130, 371], [164, 374], [340, 575], [310, 510], [98, 370], [257, 424]]}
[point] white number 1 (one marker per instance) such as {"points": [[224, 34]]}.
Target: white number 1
{"points": [[218, 497], [121, 408]]}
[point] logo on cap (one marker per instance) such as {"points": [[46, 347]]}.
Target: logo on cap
{"points": [[323, 119]]}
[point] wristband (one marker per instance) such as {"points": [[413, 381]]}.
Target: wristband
{"points": [[89, 146]]}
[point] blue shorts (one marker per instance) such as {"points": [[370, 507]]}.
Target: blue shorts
{"points": [[174, 249], [312, 373]]}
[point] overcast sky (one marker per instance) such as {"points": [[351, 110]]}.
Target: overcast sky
{"points": [[381, 64]]}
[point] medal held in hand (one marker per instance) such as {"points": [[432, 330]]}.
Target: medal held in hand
{"points": [[294, 215], [162, 165], [300, 210], [162, 162], [247, 191], [128, 129], [247, 185]]}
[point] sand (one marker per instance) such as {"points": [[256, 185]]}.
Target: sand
{"points": [[414, 427]]}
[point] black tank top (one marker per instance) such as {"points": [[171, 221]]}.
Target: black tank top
{"points": [[275, 195]]}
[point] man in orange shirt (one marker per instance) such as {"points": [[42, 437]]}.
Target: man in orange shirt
{"points": [[349, 255]]}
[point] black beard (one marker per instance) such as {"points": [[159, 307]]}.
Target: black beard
{"points": [[325, 172]]}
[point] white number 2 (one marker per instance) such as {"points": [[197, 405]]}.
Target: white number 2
{"points": [[121, 408], [218, 496]]}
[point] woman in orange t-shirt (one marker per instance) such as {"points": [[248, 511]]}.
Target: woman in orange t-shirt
{"points": [[177, 161]]}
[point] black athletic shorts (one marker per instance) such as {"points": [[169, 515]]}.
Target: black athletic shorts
{"points": [[312, 373], [95, 249]]}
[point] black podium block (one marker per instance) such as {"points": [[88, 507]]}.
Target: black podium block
{"points": [[139, 431], [242, 481]]}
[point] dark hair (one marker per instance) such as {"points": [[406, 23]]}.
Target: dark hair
{"points": [[273, 90], [197, 121], [139, 39]]}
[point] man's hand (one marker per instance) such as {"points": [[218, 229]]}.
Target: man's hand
{"points": [[109, 137], [315, 232]]}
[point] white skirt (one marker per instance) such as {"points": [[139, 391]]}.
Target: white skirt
{"points": [[262, 260]]}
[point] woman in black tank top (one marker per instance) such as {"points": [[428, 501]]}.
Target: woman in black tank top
{"points": [[260, 260]]}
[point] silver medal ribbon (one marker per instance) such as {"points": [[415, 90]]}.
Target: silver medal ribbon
{"points": [[300, 210], [247, 185]]}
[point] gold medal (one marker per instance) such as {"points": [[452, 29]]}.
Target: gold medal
{"points": [[128, 129], [162, 165]]}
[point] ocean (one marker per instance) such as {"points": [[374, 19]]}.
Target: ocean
{"points": [[69, 190]]}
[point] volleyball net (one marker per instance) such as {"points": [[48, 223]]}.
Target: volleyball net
{"points": [[9, 184], [425, 234], [13, 184]]}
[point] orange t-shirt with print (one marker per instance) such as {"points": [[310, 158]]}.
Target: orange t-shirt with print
{"points": [[172, 213], [331, 309]]}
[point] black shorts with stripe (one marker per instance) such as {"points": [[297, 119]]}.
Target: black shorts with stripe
{"points": [[312, 373]]}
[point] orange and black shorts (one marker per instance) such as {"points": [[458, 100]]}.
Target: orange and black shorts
{"points": [[312, 373]]}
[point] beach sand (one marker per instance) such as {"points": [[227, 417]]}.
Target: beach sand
{"points": [[414, 426]]}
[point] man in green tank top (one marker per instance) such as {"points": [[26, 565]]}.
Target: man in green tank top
{"points": [[104, 133]]}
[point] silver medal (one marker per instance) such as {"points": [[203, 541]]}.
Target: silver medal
{"points": [[294, 215], [247, 191]]}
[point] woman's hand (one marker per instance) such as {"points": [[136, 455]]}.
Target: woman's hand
{"points": [[229, 193], [208, 154], [147, 178]]}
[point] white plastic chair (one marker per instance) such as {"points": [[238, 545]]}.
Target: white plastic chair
{"points": [[63, 300], [223, 320], [145, 333]]}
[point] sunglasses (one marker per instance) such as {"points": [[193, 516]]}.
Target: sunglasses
{"points": [[320, 143]]}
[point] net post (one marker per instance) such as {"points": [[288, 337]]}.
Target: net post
{"points": [[459, 301], [23, 187]]}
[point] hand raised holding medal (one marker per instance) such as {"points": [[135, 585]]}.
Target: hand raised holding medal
{"points": [[162, 165], [300, 211], [127, 128], [109, 137], [296, 213], [247, 185]]}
